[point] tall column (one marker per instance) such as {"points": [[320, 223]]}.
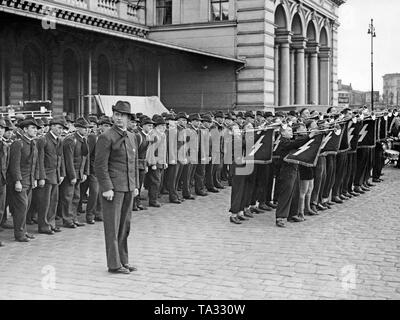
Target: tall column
{"points": [[299, 44], [276, 75], [306, 76], [284, 74], [292, 76], [324, 76], [314, 72]]}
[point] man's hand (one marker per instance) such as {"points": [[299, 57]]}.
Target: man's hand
{"points": [[18, 186], [136, 192], [61, 180], [84, 178], [109, 195], [34, 184], [146, 169], [154, 167], [313, 133], [41, 183], [73, 181]]}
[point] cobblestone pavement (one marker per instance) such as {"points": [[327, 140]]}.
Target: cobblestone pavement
{"points": [[191, 251]]}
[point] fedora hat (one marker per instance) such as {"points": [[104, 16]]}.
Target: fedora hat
{"points": [[82, 123], [146, 120], [105, 120], [122, 107], [59, 120], [159, 121], [194, 117], [181, 115], [28, 122]]}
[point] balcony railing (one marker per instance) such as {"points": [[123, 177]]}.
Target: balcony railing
{"points": [[122, 9]]}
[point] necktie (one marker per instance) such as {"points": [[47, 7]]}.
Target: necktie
{"points": [[84, 149]]}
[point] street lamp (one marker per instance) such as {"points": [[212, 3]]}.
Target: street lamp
{"points": [[371, 31]]}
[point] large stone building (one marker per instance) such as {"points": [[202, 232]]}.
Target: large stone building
{"points": [[391, 89], [194, 54]]}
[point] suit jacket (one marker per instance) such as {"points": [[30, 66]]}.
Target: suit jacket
{"points": [[92, 140], [51, 159], [23, 165], [76, 154], [116, 161], [143, 144], [4, 160]]}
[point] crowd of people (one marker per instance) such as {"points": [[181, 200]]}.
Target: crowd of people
{"points": [[49, 168]]}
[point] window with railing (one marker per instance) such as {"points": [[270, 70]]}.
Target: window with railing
{"points": [[163, 12], [219, 10]]}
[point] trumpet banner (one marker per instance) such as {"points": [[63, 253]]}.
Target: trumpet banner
{"points": [[367, 135], [262, 145], [307, 154]]}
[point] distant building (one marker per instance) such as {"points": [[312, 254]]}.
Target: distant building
{"points": [[355, 99], [391, 89]]}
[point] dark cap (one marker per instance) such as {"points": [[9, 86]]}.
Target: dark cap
{"points": [[240, 115], [219, 114], [45, 121], [146, 120], [268, 114], [93, 118], [105, 120], [181, 115], [159, 121], [249, 114], [206, 118], [122, 107], [39, 123], [68, 118], [260, 113], [82, 123], [194, 117], [28, 122], [279, 114], [59, 120]]}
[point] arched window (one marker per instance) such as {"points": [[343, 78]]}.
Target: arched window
{"points": [[71, 82], [32, 74], [104, 76]]}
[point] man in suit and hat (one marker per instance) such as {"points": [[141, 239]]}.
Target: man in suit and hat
{"points": [[76, 158], [116, 168], [52, 171], [4, 157], [22, 176]]}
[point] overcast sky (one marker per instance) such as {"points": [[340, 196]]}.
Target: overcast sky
{"points": [[354, 43]]}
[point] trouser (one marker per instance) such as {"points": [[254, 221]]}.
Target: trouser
{"points": [[269, 183], [378, 161], [47, 206], [186, 179], [238, 191], [69, 201], [94, 203], [8, 204], [33, 208], [371, 152], [305, 191], [3, 194], [347, 173], [20, 204], [362, 159], [319, 180], [199, 178], [261, 178], [250, 188], [276, 164], [83, 188], [225, 172], [164, 175], [210, 172], [217, 175], [330, 175], [117, 224], [173, 176], [288, 191], [154, 181], [352, 171], [341, 167], [142, 174]]}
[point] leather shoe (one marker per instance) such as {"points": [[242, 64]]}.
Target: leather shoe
{"points": [[56, 229], [272, 205], [354, 194], [213, 190], [330, 203], [190, 197], [370, 184], [326, 205], [348, 195], [29, 222], [23, 239], [220, 186], [342, 197], [90, 222], [311, 213], [202, 194], [337, 200], [248, 214], [30, 236], [321, 207], [377, 180], [295, 219], [119, 270], [71, 226], [359, 190], [141, 207], [280, 223], [98, 219], [46, 231], [175, 201], [79, 224], [242, 218], [364, 188], [256, 210], [264, 207], [235, 220], [155, 204], [130, 268]]}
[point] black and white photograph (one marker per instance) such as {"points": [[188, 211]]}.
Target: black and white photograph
{"points": [[214, 152]]}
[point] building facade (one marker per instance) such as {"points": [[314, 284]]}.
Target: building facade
{"points": [[391, 89], [196, 55]]}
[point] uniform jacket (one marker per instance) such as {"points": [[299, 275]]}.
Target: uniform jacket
{"points": [[51, 159], [4, 160], [76, 154], [23, 166], [116, 161]]}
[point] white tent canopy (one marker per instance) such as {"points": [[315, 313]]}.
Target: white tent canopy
{"points": [[146, 105]]}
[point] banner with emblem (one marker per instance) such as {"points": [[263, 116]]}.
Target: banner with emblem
{"points": [[261, 150], [307, 154], [332, 142], [277, 141], [344, 142], [367, 135], [382, 129], [354, 133]]}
